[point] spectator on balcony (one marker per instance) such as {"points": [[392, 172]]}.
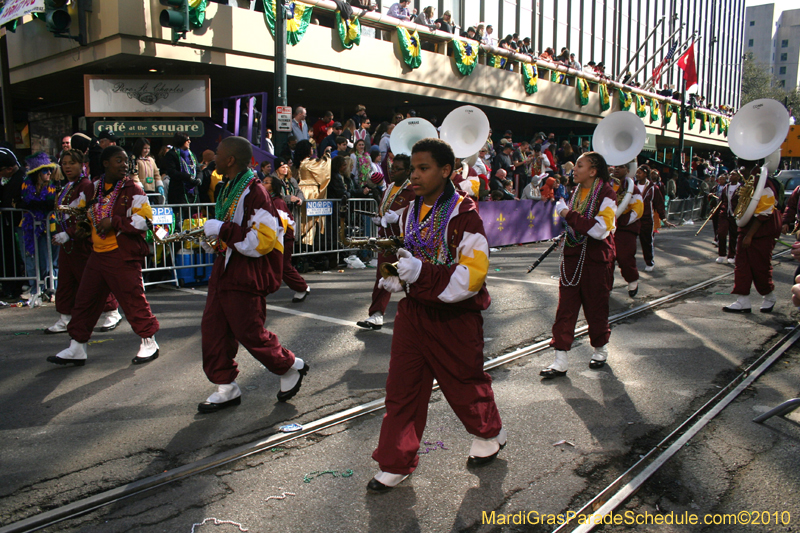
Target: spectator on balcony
{"points": [[362, 133], [480, 32], [470, 34], [299, 126], [666, 91], [589, 67], [525, 47], [349, 130], [489, 39], [361, 114], [547, 55], [330, 140], [322, 127], [400, 10], [426, 19], [573, 63], [563, 57], [446, 22]]}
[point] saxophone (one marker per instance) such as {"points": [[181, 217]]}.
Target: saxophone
{"points": [[81, 214], [190, 235], [388, 245]]}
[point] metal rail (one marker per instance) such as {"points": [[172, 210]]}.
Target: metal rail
{"points": [[128, 490]]}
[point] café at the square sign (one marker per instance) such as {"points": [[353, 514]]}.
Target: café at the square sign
{"points": [[147, 96]]}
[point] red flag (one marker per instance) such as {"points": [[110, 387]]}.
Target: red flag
{"points": [[687, 64]]}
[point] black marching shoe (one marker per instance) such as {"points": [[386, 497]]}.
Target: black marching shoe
{"points": [[549, 373], [483, 446], [209, 407], [376, 486], [284, 396], [594, 364], [62, 361], [386, 482]]}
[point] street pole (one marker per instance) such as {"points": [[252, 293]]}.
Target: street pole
{"points": [[280, 84], [8, 108], [679, 164]]}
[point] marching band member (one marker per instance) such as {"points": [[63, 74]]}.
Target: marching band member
{"points": [[395, 200], [291, 276], [470, 184], [628, 225], [653, 201], [120, 215], [438, 330], [248, 267], [587, 263], [754, 254], [726, 225], [76, 244]]}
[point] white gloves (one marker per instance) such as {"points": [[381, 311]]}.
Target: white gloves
{"points": [[212, 227], [391, 284], [206, 247], [408, 267], [389, 218], [61, 237], [376, 220], [561, 205]]}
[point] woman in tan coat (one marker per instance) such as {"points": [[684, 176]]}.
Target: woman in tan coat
{"points": [[144, 170], [313, 176]]}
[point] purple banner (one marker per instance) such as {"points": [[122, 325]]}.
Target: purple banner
{"points": [[514, 222]]}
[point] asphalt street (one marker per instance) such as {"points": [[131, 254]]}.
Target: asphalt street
{"points": [[72, 432]]}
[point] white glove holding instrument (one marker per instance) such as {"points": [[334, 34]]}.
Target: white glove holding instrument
{"points": [[391, 284], [561, 205], [389, 218], [212, 227], [206, 247], [408, 267], [61, 237], [376, 220]]}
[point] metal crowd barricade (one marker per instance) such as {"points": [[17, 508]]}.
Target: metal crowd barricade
{"points": [[13, 258], [318, 224], [685, 209]]}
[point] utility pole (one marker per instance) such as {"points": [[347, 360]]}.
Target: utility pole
{"points": [[8, 108], [279, 84], [679, 164]]}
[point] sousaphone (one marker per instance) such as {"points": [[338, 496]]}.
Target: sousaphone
{"points": [[408, 132], [619, 138], [465, 129], [757, 131]]}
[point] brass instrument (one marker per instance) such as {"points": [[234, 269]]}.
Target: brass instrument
{"points": [[388, 245], [713, 212], [191, 235], [81, 214], [745, 193]]}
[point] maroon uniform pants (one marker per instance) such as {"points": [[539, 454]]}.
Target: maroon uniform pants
{"points": [[626, 254], [428, 344], [291, 276], [754, 266], [233, 317], [728, 235], [646, 239], [380, 297], [106, 273], [70, 271], [592, 293]]}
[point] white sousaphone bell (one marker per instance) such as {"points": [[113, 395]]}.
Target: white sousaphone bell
{"points": [[408, 132], [619, 138], [466, 130], [757, 131]]}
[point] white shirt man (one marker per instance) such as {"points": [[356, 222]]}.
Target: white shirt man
{"points": [[299, 126]]}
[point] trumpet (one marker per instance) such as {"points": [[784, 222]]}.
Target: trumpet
{"points": [[191, 235], [388, 245], [81, 214]]}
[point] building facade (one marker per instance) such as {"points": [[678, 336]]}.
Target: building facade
{"points": [[774, 44]]}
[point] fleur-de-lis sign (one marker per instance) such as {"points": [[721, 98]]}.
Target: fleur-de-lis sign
{"points": [[500, 219], [531, 217]]}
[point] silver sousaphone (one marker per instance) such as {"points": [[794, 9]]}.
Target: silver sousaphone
{"points": [[757, 131], [466, 130], [619, 138], [408, 132]]}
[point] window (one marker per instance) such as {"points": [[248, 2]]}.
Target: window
{"points": [[752, 22], [750, 43], [782, 70], [784, 57], [785, 43], [782, 83]]}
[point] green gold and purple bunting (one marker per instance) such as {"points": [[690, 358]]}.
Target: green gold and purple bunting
{"points": [[558, 77], [496, 61], [299, 17], [582, 87], [712, 123], [466, 55], [692, 118], [625, 100], [349, 34], [410, 47], [703, 118], [530, 77], [668, 110], [197, 13], [641, 106], [653, 110], [605, 100]]}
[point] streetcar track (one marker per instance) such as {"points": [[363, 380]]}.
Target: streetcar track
{"points": [[612, 495]]}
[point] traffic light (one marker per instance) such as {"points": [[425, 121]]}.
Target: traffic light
{"points": [[56, 16], [176, 18]]}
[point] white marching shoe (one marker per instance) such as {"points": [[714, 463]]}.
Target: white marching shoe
{"points": [[300, 296], [599, 357], [741, 305], [375, 321], [484, 451], [732, 260], [650, 268], [226, 396], [769, 302], [292, 379], [558, 368], [109, 320], [60, 326], [385, 481], [148, 350], [74, 355], [722, 260]]}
